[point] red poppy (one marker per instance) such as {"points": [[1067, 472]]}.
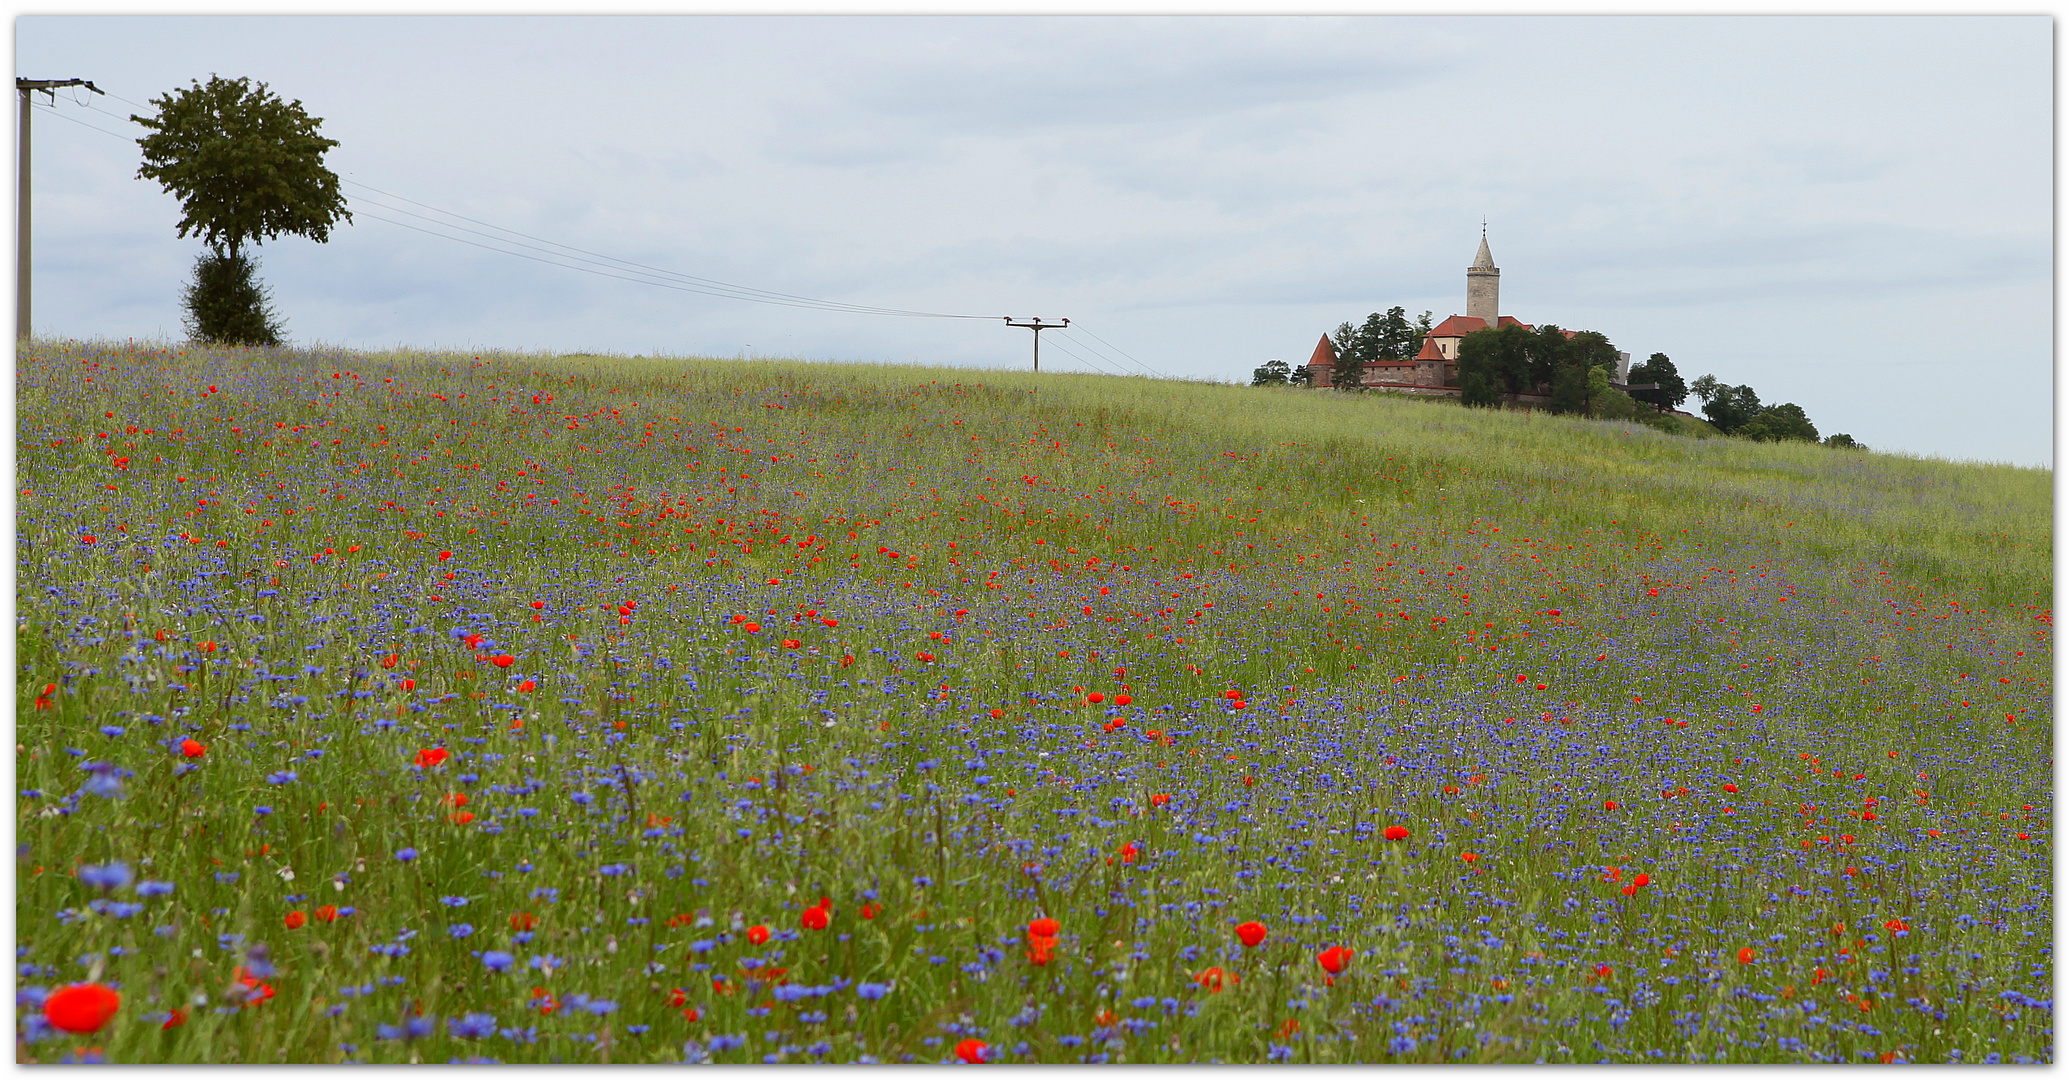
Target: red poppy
{"points": [[1334, 959], [1044, 927], [1211, 979], [503, 661], [295, 920], [1095, 697], [82, 1008], [972, 1051], [1159, 799], [444, 555], [192, 749], [1396, 832], [1746, 956], [391, 660], [814, 918], [1123, 699], [173, 1019], [1609, 804], [327, 913], [1468, 856], [757, 934], [1642, 880], [928, 658], [752, 628], [1128, 852], [255, 992], [527, 686], [869, 911], [1896, 926], [1732, 788], [433, 756], [523, 920], [793, 643], [1251, 934], [1040, 949]]}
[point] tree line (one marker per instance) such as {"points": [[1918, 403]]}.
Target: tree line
{"points": [[1574, 371]]}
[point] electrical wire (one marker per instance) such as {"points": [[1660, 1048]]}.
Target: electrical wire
{"points": [[1093, 357]]}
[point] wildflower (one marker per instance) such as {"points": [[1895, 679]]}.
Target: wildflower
{"points": [[814, 918], [295, 920], [1396, 832], [82, 1008], [1251, 934], [503, 661], [1731, 789], [328, 913], [1897, 926], [1746, 956], [191, 749], [1095, 697], [757, 934], [869, 911], [527, 686], [523, 920], [471, 1026], [1211, 979], [1468, 856], [1609, 804], [173, 1019], [433, 756], [1044, 927], [870, 991], [114, 875], [407, 854], [1123, 699], [497, 960], [972, 1051], [1334, 959]]}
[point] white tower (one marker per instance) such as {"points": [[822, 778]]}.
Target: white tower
{"points": [[1483, 284]]}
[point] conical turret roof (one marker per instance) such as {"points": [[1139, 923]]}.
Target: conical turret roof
{"points": [[1484, 260]]}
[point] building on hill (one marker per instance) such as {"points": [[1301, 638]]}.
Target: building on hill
{"points": [[1433, 371]]}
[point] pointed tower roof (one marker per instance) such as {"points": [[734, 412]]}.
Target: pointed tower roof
{"points": [[1324, 355], [1484, 260]]}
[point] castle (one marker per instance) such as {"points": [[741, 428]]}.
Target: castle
{"points": [[1433, 371]]}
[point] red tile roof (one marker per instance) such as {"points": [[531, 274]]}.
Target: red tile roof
{"points": [[1458, 326], [1429, 349], [1325, 354]]}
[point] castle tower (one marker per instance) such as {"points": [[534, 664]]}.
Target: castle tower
{"points": [[1483, 285]]}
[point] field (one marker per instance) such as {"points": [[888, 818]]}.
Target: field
{"points": [[403, 707]]}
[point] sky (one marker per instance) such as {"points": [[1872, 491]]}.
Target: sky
{"points": [[1851, 213]]}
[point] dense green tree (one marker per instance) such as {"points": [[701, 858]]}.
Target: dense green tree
{"points": [[1777, 423], [1494, 362], [1728, 407], [1842, 441], [225, 303], [1271, 373], [1348, 373], [1581, 367], [1670, 391], [247, 167]]}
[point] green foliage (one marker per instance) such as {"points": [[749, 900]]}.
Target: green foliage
{"points": [[1728, 407], [1670, 391], [245, 165], [1271, 373], [1843, 441], [1494, 362], [225, 304], [1776, 423]]}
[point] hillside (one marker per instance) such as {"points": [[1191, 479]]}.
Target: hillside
{"points": [[614, 662]]}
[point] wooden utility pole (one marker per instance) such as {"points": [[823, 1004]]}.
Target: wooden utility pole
{"points": [[25, 87], [1037, 325]]}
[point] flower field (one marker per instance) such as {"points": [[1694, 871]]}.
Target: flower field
{"points": [[407, 707]]}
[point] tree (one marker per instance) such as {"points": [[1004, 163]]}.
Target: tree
{"points": [[1669, 390], [226, 303], [247, 167], [1349, 370], [1842, 441], [1777, 423], [1271, 373], [1493, 362], [1580, 377], [1728, 407]]}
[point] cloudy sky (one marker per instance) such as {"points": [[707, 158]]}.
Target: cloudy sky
{"points": [[1851, 213]]}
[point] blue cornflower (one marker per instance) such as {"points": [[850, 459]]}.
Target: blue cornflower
{"points": [[497, 960], [415, 1027], [582, 798], [453, 901], [871, 991], [262, 811], [111, 731], [114, 875], [284, 776], [472, 1026], [407, 854], [460, 930]]}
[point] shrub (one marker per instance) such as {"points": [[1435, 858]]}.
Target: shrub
{"points": [[226, 305]]}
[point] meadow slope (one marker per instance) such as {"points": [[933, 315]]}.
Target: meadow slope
{"points": [[414, 707]]}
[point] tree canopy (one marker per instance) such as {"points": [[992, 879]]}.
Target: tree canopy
{"points": [[1669, 389], [245, 165]]}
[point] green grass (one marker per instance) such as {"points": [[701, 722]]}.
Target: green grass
{"points": [[1482, 627]]}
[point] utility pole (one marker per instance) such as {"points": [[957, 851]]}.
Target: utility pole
{"points": [[1037, 325], [25, 87]]}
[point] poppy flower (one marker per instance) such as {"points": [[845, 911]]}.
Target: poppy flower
{"points": [[1334, 959], [1897, 926], [814, 918], [927, 658], [82, 1008], [1123, 699], [295, 920], [752, 628], [328, 913], [1212, 978], [869, 911], [523, 920], [793, 643], [1095, 697], [503, 661], [1746, 956], [1396, 832], [1251, 934], [191, 749], [1044, 927], [173, 1019], [255, 992], [1128, 852], [527, 686], [757, 934], [1609, 804], [433, 756], [1159, 799], [972, 1051]]}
